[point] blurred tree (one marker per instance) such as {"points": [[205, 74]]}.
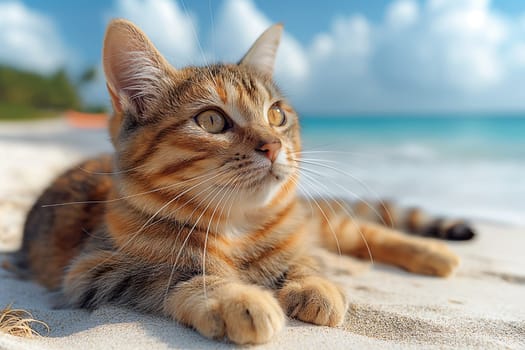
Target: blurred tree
{"points": [[55, 92], [88, 76]]}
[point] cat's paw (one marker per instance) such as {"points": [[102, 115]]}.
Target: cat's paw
{"points": [[433, 258], [314, 300], [244, 314]]}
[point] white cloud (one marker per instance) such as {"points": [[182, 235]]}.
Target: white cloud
{"points": [[340, 67], [455, 46], [172, 29], [238, 26], [444, 54], [517, 54], [174, 32], [471, 37], [433, 55], [438, 54], [349, 37], [29, 39], [402, 13]]}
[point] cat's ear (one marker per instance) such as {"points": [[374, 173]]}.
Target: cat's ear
{"points": [[133, 67], [261, 55]]}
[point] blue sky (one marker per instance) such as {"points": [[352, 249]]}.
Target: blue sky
{"points": [[337, 57], [82, 23]]}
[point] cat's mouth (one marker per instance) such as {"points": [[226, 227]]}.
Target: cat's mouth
{"points": [[268, 174], [258, 174]]}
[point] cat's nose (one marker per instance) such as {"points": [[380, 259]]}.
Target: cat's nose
{"points": [[270, 149]]}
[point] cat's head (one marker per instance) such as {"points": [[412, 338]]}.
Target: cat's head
{"points": [[218, 133]]}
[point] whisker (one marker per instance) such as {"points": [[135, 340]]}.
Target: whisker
{"points": [[344, 208], [359, 181], [206, 238], [201, 50], [212, 28], [231, 193], [326, 218], [173, 200], [131, 195], [111, 172], [348, 153], [179, 254], [135, 234]]}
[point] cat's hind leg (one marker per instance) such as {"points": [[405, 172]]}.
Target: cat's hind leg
{"points": [[340, 232]]}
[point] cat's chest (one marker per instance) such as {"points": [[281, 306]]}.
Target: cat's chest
{"points": [[270, 275], [265, 260]]}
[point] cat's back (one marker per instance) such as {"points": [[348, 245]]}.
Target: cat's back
{"points": [[65, 214]]}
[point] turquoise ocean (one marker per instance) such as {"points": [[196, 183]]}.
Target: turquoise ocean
{"points": [[468, 166]]}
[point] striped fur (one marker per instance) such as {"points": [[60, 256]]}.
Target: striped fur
{"points": [[205, 228], [412, 220]]}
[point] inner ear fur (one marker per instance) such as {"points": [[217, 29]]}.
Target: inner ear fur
{"points": [[135, 70]]}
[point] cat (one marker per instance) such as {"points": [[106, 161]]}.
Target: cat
{"points": [[195, 216]]}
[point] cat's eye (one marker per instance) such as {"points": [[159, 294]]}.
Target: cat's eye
{"points": [[212, 121], [276, 116]]}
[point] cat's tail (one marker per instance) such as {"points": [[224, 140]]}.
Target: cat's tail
{"points": [[413, 221]]}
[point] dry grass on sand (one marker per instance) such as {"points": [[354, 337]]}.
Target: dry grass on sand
{"points": [[19, 322]]}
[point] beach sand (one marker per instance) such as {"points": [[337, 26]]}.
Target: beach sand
{"points": [[481, 306]]}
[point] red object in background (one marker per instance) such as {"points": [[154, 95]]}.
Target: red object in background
{"points": [[87, 120]]}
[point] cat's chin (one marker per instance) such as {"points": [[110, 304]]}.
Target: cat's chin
{"points": [[267, 189]]}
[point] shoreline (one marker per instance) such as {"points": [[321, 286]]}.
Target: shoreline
{"points": [[473, 178]]}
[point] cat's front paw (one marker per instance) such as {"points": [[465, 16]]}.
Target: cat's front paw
{"points": [[244, 314], [314, 300], [433, 258]]}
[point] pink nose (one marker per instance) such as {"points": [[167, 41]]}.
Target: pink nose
{"points": [[270, 150]]}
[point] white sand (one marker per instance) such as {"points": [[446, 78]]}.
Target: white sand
{"points": [[482, 306]]}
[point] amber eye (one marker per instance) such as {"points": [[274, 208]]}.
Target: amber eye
{"points": [[212, 121], [276, 116]]}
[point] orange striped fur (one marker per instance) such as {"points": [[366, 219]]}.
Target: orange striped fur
{"points": [[195, 216]]}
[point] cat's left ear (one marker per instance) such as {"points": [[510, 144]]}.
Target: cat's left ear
{"points": [[135, 71], [261, 55]]}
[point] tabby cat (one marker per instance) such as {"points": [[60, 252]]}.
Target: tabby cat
{"points": [[196, 216]]}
